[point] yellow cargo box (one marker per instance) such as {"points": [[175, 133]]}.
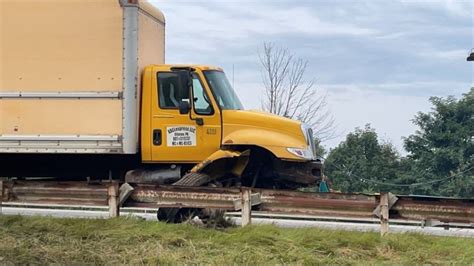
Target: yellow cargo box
{"points": [[70, 73]]}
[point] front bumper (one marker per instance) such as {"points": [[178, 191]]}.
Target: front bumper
{"points": [[305, 173]]}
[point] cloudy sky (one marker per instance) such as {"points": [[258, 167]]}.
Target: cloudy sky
{"points": [[378, 61]]}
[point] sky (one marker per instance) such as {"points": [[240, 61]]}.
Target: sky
{"points": [[377, 61]]}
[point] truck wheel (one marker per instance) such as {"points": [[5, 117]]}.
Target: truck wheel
{"points": [[193, 180], [167, 215]]}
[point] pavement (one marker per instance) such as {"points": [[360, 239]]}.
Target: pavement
{"points": [[283, 221]]}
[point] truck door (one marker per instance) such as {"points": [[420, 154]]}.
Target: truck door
{"points": [[182, 137]]}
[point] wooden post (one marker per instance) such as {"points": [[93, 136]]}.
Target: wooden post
{"points": [[113, 199], [1, 195], [246, 206], [384, 213]]}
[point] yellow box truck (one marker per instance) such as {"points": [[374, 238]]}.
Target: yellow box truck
{"points": [[84, 92]]}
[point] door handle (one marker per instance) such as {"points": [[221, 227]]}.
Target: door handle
{"points": [[157, 137], [199, 121]]}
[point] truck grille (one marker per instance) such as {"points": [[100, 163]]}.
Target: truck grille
{"points": [[312, 145]]}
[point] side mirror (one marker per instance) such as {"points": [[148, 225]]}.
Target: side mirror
{"points": [[185, 78], [184, 107]]}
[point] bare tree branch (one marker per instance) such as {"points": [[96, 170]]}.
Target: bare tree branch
{"points": [[289, 94]]}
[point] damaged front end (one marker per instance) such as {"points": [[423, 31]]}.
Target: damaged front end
{"points": [[223, 166], [252, 168], [224, 162], [298, 174]]}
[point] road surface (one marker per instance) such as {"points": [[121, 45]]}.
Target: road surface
{"points": [[149, 214]]}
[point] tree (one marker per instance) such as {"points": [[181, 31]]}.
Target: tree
{"points": [[443, 148], [362, 163], [440, 159], [288, 93], [320, 149]]}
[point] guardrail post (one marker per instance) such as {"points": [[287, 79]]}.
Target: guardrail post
{"points": [[124, 191], [1, 196], [113, 197], [384, 216], [246, 206]]}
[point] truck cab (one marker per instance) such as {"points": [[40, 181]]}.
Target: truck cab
{"points": [[190, 114]]}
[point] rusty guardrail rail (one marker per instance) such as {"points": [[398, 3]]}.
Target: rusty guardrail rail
{"points": [[184, 197], [61, 193], [417, 208], [329, 204], [362, 205], [448, 210]]}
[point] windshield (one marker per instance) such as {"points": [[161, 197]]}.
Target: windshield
{"points": [[222, 90]]}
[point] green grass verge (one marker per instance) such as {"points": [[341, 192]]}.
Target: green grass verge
{"points": [[132, 241]]}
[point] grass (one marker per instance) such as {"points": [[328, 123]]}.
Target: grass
{"points": [[40, 240]]}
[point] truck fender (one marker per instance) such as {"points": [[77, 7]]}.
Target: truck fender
{"points": [[221, 160]]}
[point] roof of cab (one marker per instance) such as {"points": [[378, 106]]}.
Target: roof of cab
{"points": [[200, 67]]}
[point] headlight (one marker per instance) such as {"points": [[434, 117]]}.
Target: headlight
{"points": [[302, 153]]}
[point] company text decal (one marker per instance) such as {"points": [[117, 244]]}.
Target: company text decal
{"points": [[181, 136]]}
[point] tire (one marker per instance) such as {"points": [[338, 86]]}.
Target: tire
{"points": [[167, 215], [193, 180]]}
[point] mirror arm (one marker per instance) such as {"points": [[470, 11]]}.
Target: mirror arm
{"points": [[199, 120]]}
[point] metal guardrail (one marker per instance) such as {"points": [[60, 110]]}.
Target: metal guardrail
{"points": [[183, 197], [429, 210], [329, 204], [61, 193], [448, 210]]}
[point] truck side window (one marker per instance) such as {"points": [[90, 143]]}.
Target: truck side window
{"points": [[202, 103], [170, 91]]}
